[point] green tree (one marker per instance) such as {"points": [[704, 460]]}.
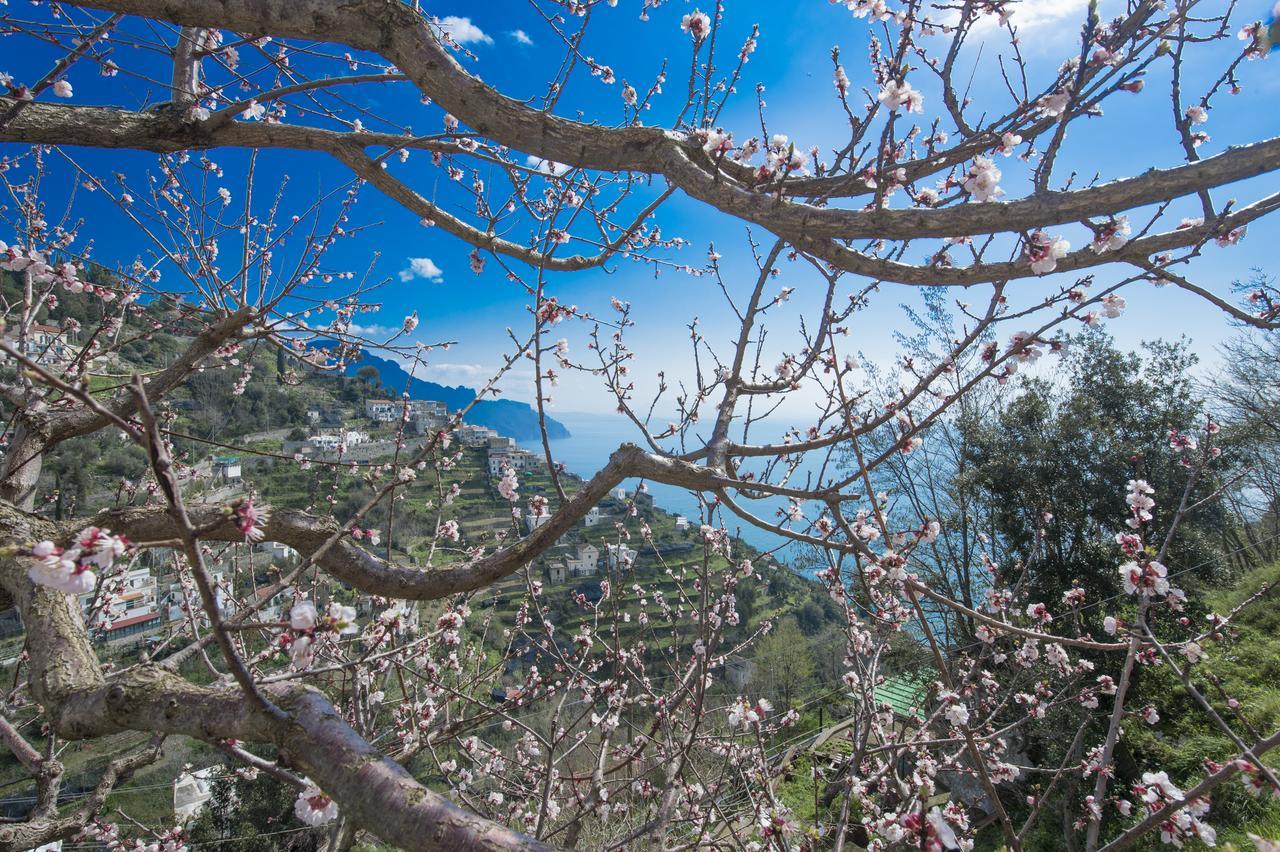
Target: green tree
{"points": [[253, 816], [1067, 444], [370, 380], [784, 661]]}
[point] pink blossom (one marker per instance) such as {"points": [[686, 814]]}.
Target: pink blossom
{"points": [[1112, 235], [1147, 579], [1053, 105], [982, 180], [1043, 252], [303, 616], [697, 24], [301, 653], [896, 93], [250, 519], [313, 807], [508, 486]]}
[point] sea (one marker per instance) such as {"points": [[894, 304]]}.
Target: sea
{"points": [[594, 437]]}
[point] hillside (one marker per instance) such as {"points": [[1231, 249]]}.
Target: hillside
{"points": [[508, 417]]}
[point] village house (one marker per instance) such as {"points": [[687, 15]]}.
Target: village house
{"points": [[131, 611], [226, 469], [275, 605], [583, 562], [192, 792], [501, 442], [430, 407], [426, 416], [533, 520], [280, 552], [325, 443], [512, 457], [498, 460], [383, 410], [46, 344], [619, 555], [329, 443], [592, 517], [739, 672], [470, 435], [175, 603]]}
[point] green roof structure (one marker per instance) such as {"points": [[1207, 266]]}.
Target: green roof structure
{"points": [[904, 693]]}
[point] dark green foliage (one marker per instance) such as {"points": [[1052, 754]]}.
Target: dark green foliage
{"points": [[254, 816], [1068, 446], [222, 413]]}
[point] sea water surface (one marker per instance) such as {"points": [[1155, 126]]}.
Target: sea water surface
{"points": [[595, 437]]}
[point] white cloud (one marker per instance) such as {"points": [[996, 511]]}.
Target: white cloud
{"points": [[457, 374], [421, 267], [520, 37], [373, 332], [1029, 15], [462, 31], [547, 167], [516, 384]]}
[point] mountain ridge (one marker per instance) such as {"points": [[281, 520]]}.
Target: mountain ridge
{"points": [[507, 417]]}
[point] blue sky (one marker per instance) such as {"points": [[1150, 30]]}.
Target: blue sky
{"points": [[793, 62]]}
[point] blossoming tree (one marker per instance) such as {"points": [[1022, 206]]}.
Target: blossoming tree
{"points": [[631, 744]]}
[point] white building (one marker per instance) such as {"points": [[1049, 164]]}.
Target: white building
{"points": [[278, 550], [516, 459], [331, 442], [325, 443], [227, 469], [592, 517], [616, 555], [46, 344], [682, 523], [132, 606], [175, 602], [191, 793], [534, 521], [739, 672], [383, 410], [497, 461], [584, 562], [470, 435]]}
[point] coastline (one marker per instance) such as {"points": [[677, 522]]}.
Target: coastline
{"points": [[594, 437]]}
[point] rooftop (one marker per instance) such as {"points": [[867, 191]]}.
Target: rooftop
{"points": [[905, 694]]}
